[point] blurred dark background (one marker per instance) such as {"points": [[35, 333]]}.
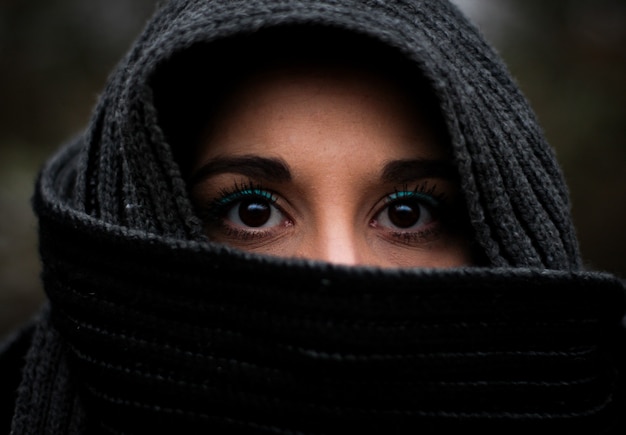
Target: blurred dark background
{"points": [[568, 56]]}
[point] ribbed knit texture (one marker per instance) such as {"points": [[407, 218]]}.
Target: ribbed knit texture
{"points": [[181, 338], [517, 201], [154, 329], [47, 402]]}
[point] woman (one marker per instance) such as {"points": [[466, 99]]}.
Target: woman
{"points": [[315, 217]]}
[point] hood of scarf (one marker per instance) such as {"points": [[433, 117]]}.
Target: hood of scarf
{"points": [[515, 195], [153, 328]]}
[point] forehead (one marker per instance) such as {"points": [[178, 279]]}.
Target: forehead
{"points": [[194, 86], [303, 84], [320, 120]]}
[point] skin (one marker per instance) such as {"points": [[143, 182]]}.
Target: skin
{"points": [[334, 131]]}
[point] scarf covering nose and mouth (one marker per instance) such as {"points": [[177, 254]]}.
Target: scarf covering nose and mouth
{"points": [[151, 328], [166, 337]]}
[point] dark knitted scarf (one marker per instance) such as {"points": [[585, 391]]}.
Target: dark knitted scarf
{"points": [[169, 337], [153, 329]]}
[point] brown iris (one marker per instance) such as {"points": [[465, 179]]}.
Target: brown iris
{"points": [[254, 212], [404, 215]]}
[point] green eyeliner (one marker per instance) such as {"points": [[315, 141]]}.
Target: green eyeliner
{"points": [[243, 193], [404, 194]]}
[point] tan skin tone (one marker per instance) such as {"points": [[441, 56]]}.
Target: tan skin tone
{"points": [[330, 164]]}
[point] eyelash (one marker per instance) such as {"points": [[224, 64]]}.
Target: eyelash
{"points": [[229, 196], [424, 193]]}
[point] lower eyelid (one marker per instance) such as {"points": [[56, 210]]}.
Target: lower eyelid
{"points": [[245, 234], [432, 231]]}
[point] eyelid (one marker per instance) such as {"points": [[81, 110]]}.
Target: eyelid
{"points": [[212, 208], [427, 196], [423, 190], [408, 194], [229, 198]]}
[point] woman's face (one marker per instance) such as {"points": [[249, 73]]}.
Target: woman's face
{"points": [[331, 164]]}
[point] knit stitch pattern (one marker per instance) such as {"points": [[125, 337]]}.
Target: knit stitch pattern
{"points": [[514, 190], [185, 339], [153, 328]]}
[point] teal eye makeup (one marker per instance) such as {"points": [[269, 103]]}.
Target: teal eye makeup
{"points": [[411, 216], [244, 207], [228, 198], [415, 195], [242, 213]]}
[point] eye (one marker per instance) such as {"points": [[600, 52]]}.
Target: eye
{"points": [[408, 211], [247, 207], [244, 213], [253, 212]]}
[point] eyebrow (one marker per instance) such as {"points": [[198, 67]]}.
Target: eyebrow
{"points": [[270, 169], [276, 170], [400, 171]]}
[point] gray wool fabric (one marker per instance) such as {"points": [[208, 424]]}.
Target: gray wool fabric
{"points": [[516, 197], [152, 328]]}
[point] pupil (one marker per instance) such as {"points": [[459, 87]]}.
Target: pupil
{"points": [[254, 213], [403, 215]]}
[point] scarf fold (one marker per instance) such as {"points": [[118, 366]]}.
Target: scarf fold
{"points": [[153, 329], [515, 194], [163, 335]]}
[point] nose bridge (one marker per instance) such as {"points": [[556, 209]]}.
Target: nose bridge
{"points": [[333, 238]]}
